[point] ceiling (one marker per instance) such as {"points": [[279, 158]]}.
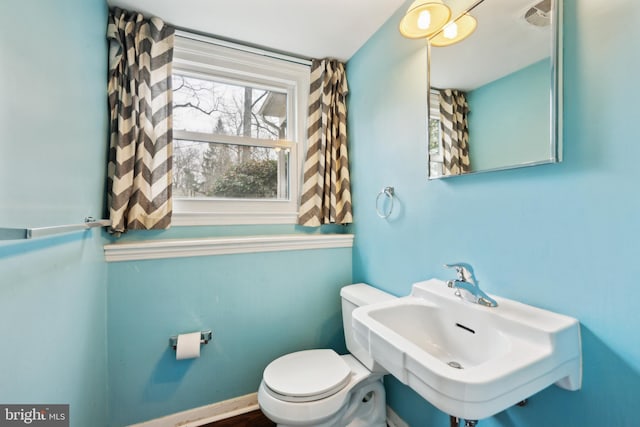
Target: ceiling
{"points": [[306, 28], [503, 43]]}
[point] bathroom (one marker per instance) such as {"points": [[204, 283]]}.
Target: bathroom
{"points": [[80, 330]]}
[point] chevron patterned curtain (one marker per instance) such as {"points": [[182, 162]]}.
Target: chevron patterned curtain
{"points": [[140, 101], [455, 132], [326, 192]]}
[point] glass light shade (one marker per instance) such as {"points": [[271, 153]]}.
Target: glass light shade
{"points": [[424, 18], [466, 25]]}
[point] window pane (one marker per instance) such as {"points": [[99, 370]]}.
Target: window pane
{"points": [[229, 171], [435, 149], [435, 144], [209, 106]]}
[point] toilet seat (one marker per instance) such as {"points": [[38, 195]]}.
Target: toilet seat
{"points": [[308, 375]]}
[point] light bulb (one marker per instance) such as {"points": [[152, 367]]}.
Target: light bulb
{"points": [[455, 32], [424, 20], [450, 31]]}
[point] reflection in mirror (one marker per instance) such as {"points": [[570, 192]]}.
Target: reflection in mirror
{"points": [[494, 96]]}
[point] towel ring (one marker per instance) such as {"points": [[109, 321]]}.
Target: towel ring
{"points": [[388, 192]]}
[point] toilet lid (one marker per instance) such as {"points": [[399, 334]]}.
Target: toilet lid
{"points": [[307, 375]]}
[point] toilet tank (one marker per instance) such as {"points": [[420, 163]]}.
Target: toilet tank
{"points": [[354, 296]]}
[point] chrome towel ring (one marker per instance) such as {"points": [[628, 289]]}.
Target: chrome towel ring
{"points": [[388, 192]]}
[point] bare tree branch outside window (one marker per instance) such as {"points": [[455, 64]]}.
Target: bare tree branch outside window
{"points": [[222, 170]]}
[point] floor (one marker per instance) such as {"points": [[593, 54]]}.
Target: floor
{"points": [[251, 419]]}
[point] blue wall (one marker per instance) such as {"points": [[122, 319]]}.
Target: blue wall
{"points": [[53, 136], [509, 119], [54, 292], [259, 306], [563, 237]]}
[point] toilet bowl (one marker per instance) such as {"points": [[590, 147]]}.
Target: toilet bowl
{"points": [[320, 388]]}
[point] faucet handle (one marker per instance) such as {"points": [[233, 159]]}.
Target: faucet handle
{"points": [[463, 271]]}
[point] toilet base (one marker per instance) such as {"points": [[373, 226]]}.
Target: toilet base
{"points": [[366, 408], [372, 408]]}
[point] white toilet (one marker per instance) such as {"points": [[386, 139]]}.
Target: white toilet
{"points": [[320, 388]]}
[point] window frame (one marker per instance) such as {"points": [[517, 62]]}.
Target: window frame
{"points": [[436, 160], [200, 56]]}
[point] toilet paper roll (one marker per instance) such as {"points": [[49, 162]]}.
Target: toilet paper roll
{"points": [[188, 346]]}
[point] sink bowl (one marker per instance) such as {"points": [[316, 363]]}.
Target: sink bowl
{"points": [[468, 360]]}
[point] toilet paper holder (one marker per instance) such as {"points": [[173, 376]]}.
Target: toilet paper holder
{"points": [[205, 337]]}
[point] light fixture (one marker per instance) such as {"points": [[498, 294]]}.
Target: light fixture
{"points": [[455, 31], [424, 18]]}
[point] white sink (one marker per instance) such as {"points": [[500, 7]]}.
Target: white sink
{"points": [[468, 360]]}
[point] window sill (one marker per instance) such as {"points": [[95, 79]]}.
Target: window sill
{"points": [[179, 248], [202, 211], [232, 218]]}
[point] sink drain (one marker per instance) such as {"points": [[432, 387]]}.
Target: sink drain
{"points": [[454, 364]]}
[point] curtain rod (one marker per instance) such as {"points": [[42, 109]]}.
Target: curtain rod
{"points": [[189, 34]]}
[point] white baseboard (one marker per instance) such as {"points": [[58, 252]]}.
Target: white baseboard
{"points": [[206, 414], [227, 409], [393, 420]]}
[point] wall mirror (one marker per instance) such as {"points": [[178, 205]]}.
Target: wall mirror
{"points": [[495, 97]]}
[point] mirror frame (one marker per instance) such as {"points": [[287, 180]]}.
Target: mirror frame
{"points": [[555, 95]]}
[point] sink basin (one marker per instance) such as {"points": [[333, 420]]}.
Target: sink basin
{"points": [[468, 360]]}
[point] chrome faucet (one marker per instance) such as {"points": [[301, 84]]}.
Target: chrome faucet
{"points": [[466, 285]]}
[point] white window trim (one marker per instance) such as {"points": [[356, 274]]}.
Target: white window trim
{"points": [[199, 56], [434, 98], [179, 248]]}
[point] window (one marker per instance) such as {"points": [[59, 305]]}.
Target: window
{"points": [[436, 157], [239, 119]]}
